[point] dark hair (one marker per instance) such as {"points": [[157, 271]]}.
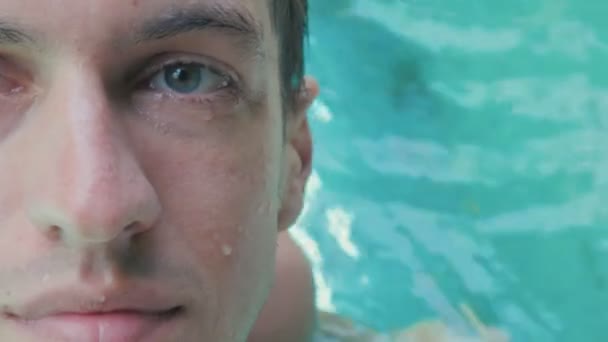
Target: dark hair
{"points": [[290, 22]]}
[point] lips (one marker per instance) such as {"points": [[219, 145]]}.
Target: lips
{"points": [[115, 326], [114, 316]]}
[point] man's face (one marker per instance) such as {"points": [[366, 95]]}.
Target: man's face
{"points": [[144, 169]]}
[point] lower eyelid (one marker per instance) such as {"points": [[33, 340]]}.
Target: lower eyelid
{"points": [[220, 95], [186, 111], [223, 94]]}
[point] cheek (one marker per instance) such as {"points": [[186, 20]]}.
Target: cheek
{"points": [[222, 206], [17, 239], [220, 199], [220, 191]]}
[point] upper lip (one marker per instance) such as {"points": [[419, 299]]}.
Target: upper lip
{"points": [[88, 301]]}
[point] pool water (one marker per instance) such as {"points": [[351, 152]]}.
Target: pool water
{"points": [[461, 157]]}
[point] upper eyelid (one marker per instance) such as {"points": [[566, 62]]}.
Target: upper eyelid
{"points": [[157, 63]]}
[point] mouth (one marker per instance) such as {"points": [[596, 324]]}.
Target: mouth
{"points": [[120, 318], [112, 326]]}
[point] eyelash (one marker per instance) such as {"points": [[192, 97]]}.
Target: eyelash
{"points": [[231, 82]]}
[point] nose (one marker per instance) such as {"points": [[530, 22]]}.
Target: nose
{"points": [[87, 187]]}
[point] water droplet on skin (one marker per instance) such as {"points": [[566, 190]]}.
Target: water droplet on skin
{"points": [[264, 207], [226, 250], [102, 299], [162, 127]]}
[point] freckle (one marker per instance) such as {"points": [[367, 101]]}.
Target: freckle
{"points": [[134, 3], [227, 250]]}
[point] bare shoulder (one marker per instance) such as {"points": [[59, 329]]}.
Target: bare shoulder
{"points": [[289, 313], [333, 328]]}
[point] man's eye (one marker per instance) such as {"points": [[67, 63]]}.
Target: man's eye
{"points": [[9, 86], [187, 78]]}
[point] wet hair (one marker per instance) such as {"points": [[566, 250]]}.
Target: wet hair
{"points": [[290, 22]]}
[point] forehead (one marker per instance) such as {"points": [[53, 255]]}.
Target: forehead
{"points": [[85, 21]]}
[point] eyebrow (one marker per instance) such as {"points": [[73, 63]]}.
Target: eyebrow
{"points": [[13, 35], [230, 19]]}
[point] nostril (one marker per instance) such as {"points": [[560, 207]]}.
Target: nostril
{"points": [[54, 233], [134, 229], [131, 228]]}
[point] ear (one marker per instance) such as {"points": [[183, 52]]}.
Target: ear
{"points": [[297, 163]]}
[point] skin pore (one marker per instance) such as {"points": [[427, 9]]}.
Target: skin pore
{"points": [[146, 167]]}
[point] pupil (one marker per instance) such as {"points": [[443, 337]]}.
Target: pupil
{"points": [[183, 78]]}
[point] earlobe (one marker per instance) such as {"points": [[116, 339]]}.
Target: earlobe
{"points": [[298, 157]]}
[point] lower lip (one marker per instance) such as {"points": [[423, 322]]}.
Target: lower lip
{"points": [[105, 327]]}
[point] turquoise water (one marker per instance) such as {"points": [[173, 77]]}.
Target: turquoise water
{"points": [[461, 156]]}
